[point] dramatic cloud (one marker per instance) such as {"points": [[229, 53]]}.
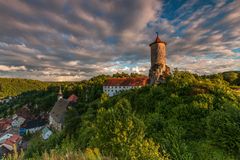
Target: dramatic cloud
{"points": [[78, 39], [12, 68]]}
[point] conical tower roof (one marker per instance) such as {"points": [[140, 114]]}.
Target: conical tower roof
{"points": [[158, 40]]}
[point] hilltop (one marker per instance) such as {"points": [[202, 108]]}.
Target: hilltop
{"points": [[188, 117], [17, 86]]}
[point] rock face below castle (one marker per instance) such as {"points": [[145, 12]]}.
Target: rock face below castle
{"points": [[159, 70]]}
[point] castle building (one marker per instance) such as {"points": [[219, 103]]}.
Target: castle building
{"points": [[159, 70], [113, 86], [157, 73]]}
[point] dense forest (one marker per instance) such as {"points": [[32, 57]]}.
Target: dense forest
{"points": [[188, 117], [15, 86], [43, 95]]}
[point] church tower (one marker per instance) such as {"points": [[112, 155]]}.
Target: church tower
{"points": [[159, 70], [60, 95]]}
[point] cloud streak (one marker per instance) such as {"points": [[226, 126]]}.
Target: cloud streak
{"points": [[75, 40]]}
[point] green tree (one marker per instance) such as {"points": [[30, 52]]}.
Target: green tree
{"points": [[231, 77], [104, 97], [223, 128], [121, 133]]}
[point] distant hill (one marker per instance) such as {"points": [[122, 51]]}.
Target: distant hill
{"points": [[233, 77], [16, 86]]}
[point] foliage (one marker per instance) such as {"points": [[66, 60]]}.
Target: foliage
{"points": [[223, 128], [121, 134], [232, 77], [188, 117], [63, 154], [15, 86]]}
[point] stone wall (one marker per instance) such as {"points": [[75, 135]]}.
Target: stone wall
{"points": [[159, 70], [158, 54]]}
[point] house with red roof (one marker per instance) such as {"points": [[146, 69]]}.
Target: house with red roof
{"points": [[25, 112], [73, 98], [113, 86], [5, 124], [9, 141]]}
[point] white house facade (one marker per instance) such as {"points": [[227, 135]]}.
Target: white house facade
{"points": [[18, 121], [46, 133], [34, 130], [113, 86]]}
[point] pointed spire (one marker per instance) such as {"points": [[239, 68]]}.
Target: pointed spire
{"points": [[60, 95], [157, 40], [60, 90]]}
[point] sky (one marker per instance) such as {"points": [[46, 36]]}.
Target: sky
{"points": [[72, 40]]}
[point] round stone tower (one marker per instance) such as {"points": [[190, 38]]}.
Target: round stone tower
{"points": [[159, 70], [158, 52]]}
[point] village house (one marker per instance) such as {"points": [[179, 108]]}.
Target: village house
{"points": [[72, 99], [46, 133], [17, 121], [24, 112], [8, 142], [113, 86], [7, 100], [5, 124], [33, 125]]}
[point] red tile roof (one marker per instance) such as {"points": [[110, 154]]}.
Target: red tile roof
{"points": [[24, 112], [158, 40], [13, 140], [73, 98], [8, 121], [126, 82], [8, 142], [5, 124]]}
